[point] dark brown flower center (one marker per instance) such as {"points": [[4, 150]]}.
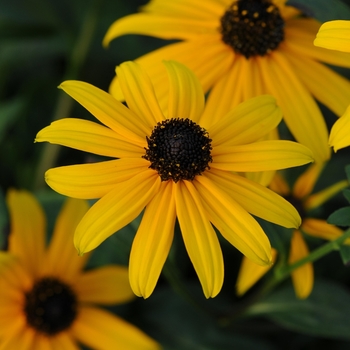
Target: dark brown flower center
{"points": [[178, 149], [252, 27], [297, 204], [50, 307]]}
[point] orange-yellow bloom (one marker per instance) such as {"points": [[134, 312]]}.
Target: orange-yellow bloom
{"points": [[46, 300], [241, 49], [177, 163]]}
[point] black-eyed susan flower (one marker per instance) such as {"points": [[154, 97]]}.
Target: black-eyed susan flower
{"points": [[176, 164], [305, 201], [241, 49], [46, 300], [335, 35]]}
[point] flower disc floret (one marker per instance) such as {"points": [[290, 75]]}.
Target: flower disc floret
{"points": [[178, 149], [252, 27], [50, 306]]}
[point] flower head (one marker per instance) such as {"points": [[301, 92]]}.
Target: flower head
{"points": [[335, 35], [305, 201], [179, 163], [241, 49], [47, 301]]}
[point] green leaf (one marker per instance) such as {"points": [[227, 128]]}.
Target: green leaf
{"points": [[344, 251], [346, 194], [323, 10], [325, 313], [340, 217]]}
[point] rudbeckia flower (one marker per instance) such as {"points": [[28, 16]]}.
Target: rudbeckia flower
{"points": [[305, 201], [46, 300], [246, 48], [176, 164], [335, 35]]}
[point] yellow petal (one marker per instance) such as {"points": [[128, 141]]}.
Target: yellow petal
{"points": [[257, 199], [62, 259], [139, 93], [160, 26], [301, 113], [107, 110], [62, 340], [186, 96], [87, 181], [240, 229], [328, 87], [28, 230], [89, 137], [104, 285], [100, 329], [246, 123], [305, 183], [115, 210], [260, 156], [322, 229], [300, 34], [250, 273], [317, 199], [334, 35], [280, 185], [339, 136], [152, 242], [200, 238], [303, 277]]}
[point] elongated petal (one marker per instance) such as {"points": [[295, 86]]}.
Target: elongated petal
{"points": [[105, 285], [63, 340], [19, 336], [200, 238], [89, 137], [100, 329], [107, 110], [300, 35], [326, 85], [186, 96], [234, 223], [87, 181], [250, 273], [280, 185], [62, 259], [322, 229], [303, 277], [317, 199], [246, 123], [301, 113], [339, 136], [139, 93], [305, 183], [115, 210], [334, 35], [152, 242], [28, 226], [256, 199], [261, 156], [160, 26]]}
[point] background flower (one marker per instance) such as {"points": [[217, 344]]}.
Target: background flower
{"points": [[47, 301]]}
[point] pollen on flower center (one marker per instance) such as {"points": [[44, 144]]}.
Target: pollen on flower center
{"points": [[178, 149], [50, 306], [252, 27]]}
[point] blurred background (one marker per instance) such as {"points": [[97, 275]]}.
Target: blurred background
{"points": [[44, 42]]}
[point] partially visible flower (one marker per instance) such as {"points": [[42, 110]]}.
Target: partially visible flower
{"points": [[335, 35], [305, 201], [179, 163], [46, 300], [241, 49]]}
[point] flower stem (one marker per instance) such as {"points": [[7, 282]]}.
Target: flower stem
{"points": [[65, 103]]}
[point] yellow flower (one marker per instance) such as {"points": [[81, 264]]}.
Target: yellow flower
{"points": [[335, 35], [304, 200], [242, 49], [46, 300], [176, 164]]}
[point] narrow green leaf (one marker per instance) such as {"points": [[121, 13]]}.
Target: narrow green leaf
{"points": [[346, 194], [345, 254], [340, 217]]}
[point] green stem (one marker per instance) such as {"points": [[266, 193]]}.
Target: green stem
{"points": [[65, 103]]}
